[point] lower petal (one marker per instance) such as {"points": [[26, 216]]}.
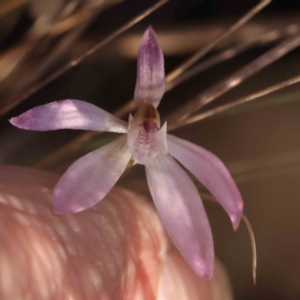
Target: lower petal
{"points": [[91, 177], [212, 173], [182, 213]]}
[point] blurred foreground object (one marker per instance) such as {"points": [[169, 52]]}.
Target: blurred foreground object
{"points": [[117, 250]]}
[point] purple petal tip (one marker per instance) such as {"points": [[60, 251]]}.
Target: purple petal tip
{"points": [[236, 218], [207, 276], [150, 33], [150, 41], [63, 208], [24, 121], [206, 273], [15, 122], [150, 84], [204, 269]]}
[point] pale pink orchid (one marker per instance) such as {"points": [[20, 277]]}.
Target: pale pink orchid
{"points": [[90, 178]]}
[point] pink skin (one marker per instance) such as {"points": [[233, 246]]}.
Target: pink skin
{"points": [[117, 250]]}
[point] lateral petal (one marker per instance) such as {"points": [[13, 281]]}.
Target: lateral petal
{"points": [[150, 82], [212, 173], [182, 213], [69, 114], [90, 178]]}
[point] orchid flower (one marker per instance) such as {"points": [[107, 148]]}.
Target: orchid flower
{"points": [[90, 178]]}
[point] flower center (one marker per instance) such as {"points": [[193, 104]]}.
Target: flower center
{"points": [[145, 138], [147, 117]]}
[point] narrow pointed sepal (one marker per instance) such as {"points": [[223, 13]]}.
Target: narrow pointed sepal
{"points": [[91, 177], [182, 213], [150, 82], [212, 173], [69, 114]]}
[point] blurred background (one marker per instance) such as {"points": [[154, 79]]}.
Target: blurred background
{"points": [[259, 141]]}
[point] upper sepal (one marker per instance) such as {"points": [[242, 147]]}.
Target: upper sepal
{"points": [[150, 82]]}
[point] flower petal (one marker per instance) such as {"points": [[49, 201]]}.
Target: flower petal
{"points": [[150, 82], [182, 213], [212, 173], [91, 177], [69, 114]]}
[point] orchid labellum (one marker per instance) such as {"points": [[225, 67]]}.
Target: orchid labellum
{"points": [[146, 141]]}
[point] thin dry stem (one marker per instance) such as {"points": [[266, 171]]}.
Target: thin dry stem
{"points": [[78, 18], [209, 197], [185, 111], [76, 61], [240, 101], [225, 55], [253, 246], [7, 7], [11, 82], [188, 63]]}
